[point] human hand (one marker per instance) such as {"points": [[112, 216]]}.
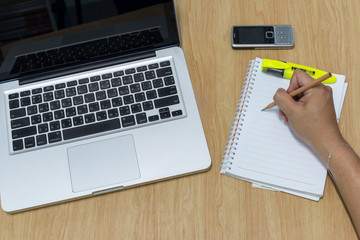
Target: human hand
{"points": [[311, 114]]}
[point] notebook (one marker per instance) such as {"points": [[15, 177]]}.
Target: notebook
{"points": [[263, 150], [105, 108]]}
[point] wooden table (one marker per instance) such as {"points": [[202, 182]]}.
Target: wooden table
{"points": [[209, 205]]}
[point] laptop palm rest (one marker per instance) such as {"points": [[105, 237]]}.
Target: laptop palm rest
{"points": [[103, 163]]}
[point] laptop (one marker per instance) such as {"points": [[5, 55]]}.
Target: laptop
{"points": [[102, 109]]}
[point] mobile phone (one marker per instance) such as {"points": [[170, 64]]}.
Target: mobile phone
{"points": [[261, 36]]}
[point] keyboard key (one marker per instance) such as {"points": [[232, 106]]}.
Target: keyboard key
{"points": [[106, 75], [112, 93], [115, 82], [167, 101], [100, 95], [128, 121], [95, 78], [55, 105], [70, 92], [49, 96], [153, 118], [101, 115], [18, 145], [13, 95], [79, 120], [105, 104], [21, 122], [151, 94], [42, 128], [66, 102], [82, 109], [14, 104], [89, 118], [25, 101], [93, 87], [44, 107], [70, 112], [164, 113], [141, 69], [113, 113], [123, 90], [150, 75], [23, 132], [94, 107], [82, 89], [141, 118], [169, 80], [41, 140], [48, 88], [78, 100], [59, 94], [118, 73], [90, 97], [32, 110], [135, 108], [91, 129], [166, 91], [36, 99], [105, 84], [116, 102], [176, 113], [162, 72], [17, 113], [83, 80], [135, 88], [130, 71], [60, 86], [165, 63], [158, 83], [36, 91], [153, 66], [139, 97], [29, 142], [127, 79], [71, 83], [54, 137], [59, 114], [124, 110], [139, 77], [146, 85], [25, 93], [36, 119], [148, 105], [129, 99], [66, 123], [47, 117], [54, 126]]}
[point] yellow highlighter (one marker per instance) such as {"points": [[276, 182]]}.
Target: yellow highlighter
{"points": [[286, 70]]}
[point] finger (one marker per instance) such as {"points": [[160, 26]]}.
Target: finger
{"points": [[299, 79], [285, 102]]}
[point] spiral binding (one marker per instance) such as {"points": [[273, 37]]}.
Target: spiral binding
{"points": [[240, 113]]}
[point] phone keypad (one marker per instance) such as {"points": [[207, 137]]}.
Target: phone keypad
{"points": [[283, 35]]}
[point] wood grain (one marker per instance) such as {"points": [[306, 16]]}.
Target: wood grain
{"points": [[209, 205]]}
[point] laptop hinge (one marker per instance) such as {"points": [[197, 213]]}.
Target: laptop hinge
{"points": [[85, 67]]}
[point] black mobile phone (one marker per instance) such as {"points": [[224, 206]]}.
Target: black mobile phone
{"points": [[261, 36]]}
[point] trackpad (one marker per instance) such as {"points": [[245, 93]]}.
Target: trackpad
{"points": [[103, 163]]}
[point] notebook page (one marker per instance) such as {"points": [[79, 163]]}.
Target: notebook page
{"points": [[268, 152]]}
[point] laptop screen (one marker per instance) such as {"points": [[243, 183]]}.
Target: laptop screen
{"points": [[104, 29]]}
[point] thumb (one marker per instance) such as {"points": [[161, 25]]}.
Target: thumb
{"points": [[285, 102]]}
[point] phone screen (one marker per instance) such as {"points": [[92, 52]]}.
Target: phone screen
{"points": [[254, 35]]}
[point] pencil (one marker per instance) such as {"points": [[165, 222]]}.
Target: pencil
{"points": [[302, 89]]}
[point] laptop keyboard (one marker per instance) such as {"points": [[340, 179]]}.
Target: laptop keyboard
{"points": [[115, 100], [91, 50]]}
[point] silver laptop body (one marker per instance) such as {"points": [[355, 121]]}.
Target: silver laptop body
{"points": [[139, 138]]}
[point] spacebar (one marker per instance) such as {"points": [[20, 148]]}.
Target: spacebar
{"points": [[91, 129]]}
